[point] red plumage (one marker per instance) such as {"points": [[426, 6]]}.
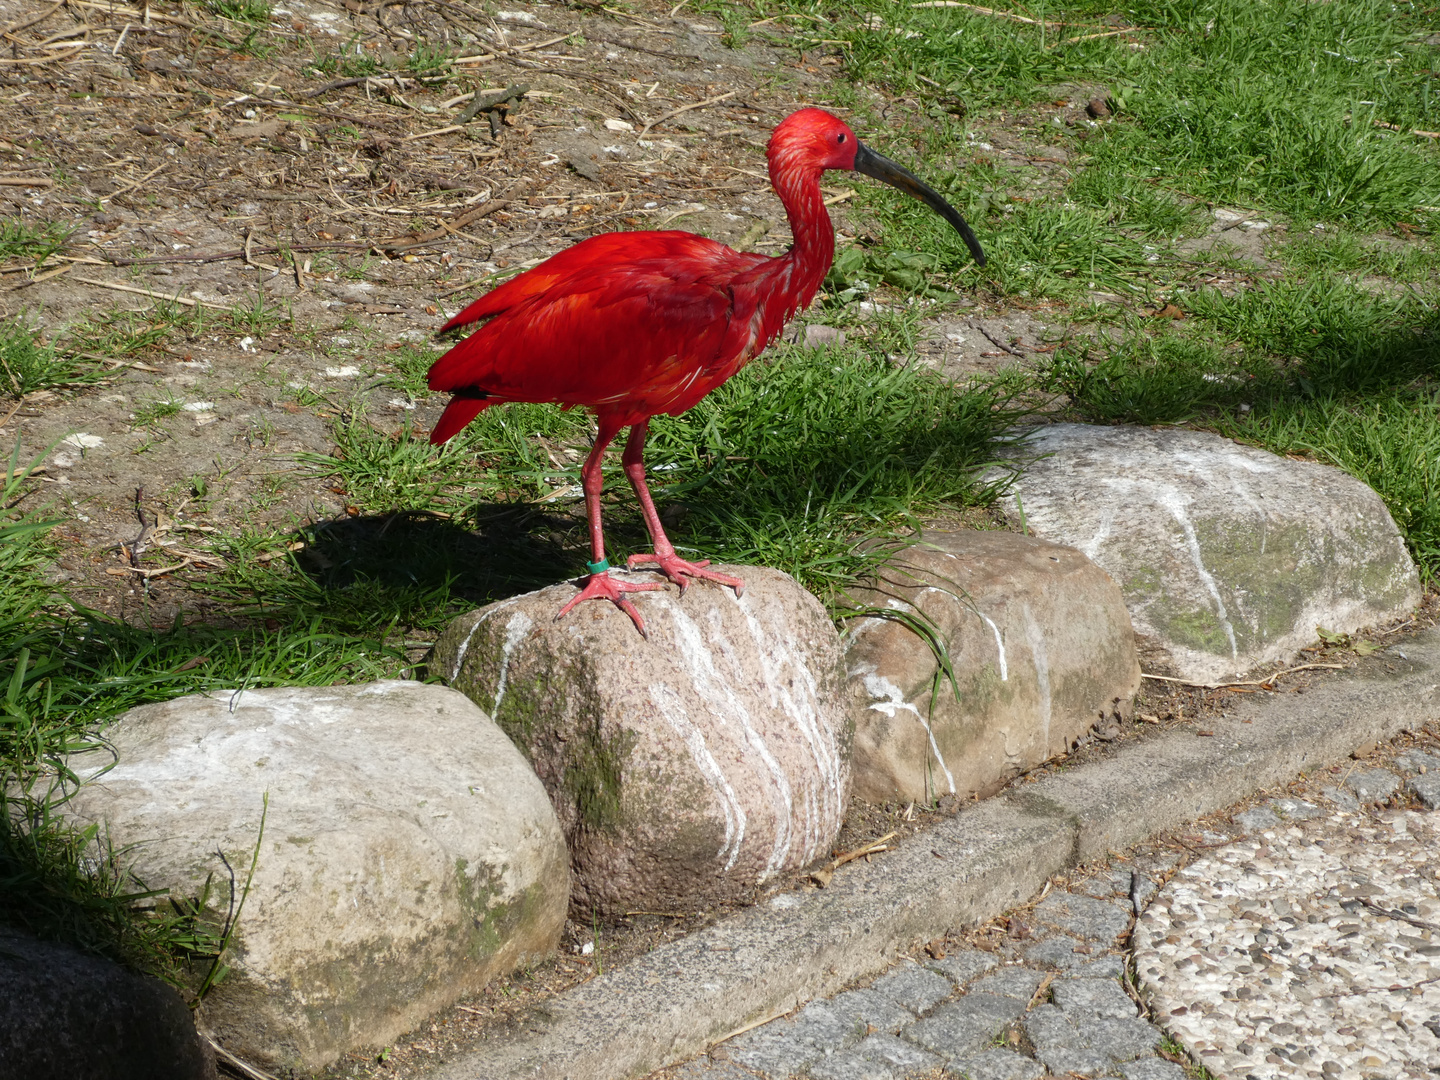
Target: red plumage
{"points": [[635, 324]]}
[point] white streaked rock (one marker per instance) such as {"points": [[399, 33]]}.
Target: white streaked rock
{"points": [[686, 767]]}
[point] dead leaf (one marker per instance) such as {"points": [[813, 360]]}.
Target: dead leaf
{"points": [[1169, 311]]}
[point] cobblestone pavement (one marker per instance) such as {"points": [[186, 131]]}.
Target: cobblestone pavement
{"points": [[1052, 996]]}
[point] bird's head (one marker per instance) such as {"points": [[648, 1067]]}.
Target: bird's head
{"points": [[811, 141]]}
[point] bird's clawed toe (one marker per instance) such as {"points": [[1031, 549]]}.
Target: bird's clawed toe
{"points": [[683, 572], [603, 587]]}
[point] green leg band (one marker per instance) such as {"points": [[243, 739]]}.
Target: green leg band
{"points": [[599, 567]]}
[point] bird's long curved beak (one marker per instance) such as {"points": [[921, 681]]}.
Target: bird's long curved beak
{"points": [[882, 168]]}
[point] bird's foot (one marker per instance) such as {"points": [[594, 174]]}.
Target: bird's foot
{"points": [[680, 571], [603, 587]]}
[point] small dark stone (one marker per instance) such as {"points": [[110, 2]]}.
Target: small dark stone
{"points": [[1098, 108], [67, 1013]]}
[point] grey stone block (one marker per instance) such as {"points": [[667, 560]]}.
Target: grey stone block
{"points": [[960, 1028], [1411, 762], [999, 1065], [914, 987], [863, 1010], [1373, 785], [1341, 798], [851, 1066], [1015, 982], [776, 1050], [1107, 967], [706, 1068], [1121, 1038], [1426, 789], [1257, 819], [1058, 952], [1059, 1044], [903, 1055], [1151, 1068], [1295, 809], [963, 965], [1083, 916], [1086, 1044], [1093, 997]]}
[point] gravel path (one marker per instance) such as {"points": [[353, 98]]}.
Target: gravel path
{"points": [[1308, 949], [1299, 944]]}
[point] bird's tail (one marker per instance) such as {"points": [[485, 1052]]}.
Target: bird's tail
{"points": [[457, 414]]}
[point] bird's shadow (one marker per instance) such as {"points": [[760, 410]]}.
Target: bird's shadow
{"points": [[493, 551]]}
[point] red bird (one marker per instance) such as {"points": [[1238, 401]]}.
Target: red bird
{"points": [[639, 323]]}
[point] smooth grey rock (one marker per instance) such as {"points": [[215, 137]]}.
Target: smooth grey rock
{"points": [[962, 965], [897, 1052], [999, 1065], [1228, 556], [686, 767], [914, 987], [1152, 1068], [1417, 762], [959, 1028], [1078, 997], [865, 1009], [1041, 646], [65, 1013], [410, 855], [1257, 819], [1015, 982], [1427, 789], [1341, 798], [1294, 809], [1373, 785], [1083, 916]]}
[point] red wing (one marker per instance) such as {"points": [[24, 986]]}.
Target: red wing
{"points": [[625, 318]]}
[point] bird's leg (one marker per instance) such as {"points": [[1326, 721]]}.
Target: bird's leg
{"points": [[600, 585], [672, 566]]}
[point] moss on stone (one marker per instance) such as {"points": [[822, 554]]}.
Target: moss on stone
{"points": [[594, 775]]}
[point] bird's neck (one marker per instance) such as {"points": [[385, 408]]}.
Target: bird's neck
{"points": [[808, 261]]}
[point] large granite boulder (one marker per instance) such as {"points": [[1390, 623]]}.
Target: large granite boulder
{"points": [[409, 853], [1229, 557], [686, 767], [66, 1013], [1041, 649]]}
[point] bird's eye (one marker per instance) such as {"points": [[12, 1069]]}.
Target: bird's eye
{"points": [[840, 137]]}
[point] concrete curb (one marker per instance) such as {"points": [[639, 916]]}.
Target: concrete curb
{"points": [[686, 996]]}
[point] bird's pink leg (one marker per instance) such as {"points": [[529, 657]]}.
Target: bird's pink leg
{"points": [[672, 566], [600, 585]]}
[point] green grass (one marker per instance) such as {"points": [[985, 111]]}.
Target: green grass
{"points": [[254, 12], [31, 242], [28, 364]]}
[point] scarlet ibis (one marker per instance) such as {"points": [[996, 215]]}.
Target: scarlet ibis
{"points": [[634, 324]]}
